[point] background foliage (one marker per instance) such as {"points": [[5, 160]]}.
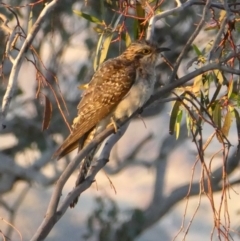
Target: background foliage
{"points": [[200, 76]]}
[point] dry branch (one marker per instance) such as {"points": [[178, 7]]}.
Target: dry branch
{"points": [[54, 213], [12, 83]]}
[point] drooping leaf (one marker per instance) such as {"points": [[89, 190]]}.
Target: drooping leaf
{"points": [[230, 88], [102, 50], [237, 117], [88, 17], [127, 39], [178, 123], [227, 123], [188, 122], [173, 117], [47, 113], [104, 42], [217, 115], [105, 47], [217, 118], [97, 56]]}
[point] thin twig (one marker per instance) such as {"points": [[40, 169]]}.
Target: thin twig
{"points": [[12, 83], [190, 41]]}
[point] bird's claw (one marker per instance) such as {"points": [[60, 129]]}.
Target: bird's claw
{"points": [[114, 123]]}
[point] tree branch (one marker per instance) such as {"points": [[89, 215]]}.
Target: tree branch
{"points": [[180, 7], [12, 83], [54, 213], [160, 205], [190, 41]]}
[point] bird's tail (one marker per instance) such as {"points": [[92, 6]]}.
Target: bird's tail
{"points": [[86, 162], [83, 171]]}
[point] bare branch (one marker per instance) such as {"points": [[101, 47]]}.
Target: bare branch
{"points": [[190, 41], [155, 18], [4, 25], [166, 89], [53, 212], [160, 205], [19, 59], [31, 174], [180, 7]]}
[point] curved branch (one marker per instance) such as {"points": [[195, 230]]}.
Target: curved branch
{"points": [[155, 18], [54, 213], [160, 205], [167, 88], [180, 7], [190, 41]]}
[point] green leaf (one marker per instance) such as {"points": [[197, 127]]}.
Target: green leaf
{"points": [[230, 88], [237, 117], [104, 43], [227, 123], [96, 59], [88, 17], [102, 50], [178, 123], [235, 97], [197, 50], [173, 117], [127, 39], [217, 115], [105, 48], [188, 122]]}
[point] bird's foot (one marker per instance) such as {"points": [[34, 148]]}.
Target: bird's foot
{"points": [[114, 124]]}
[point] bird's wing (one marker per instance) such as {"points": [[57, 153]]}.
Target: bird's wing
{"points": [[109, 85]]}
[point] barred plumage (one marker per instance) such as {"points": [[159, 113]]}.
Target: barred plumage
{"points": [[118, 88]]}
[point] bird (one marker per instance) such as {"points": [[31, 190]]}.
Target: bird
{"points": [[118, 88]]}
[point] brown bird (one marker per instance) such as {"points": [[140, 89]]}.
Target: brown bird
{"points": [[118, 88]]}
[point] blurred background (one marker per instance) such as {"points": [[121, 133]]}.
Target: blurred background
{"points": [[148, 197]]}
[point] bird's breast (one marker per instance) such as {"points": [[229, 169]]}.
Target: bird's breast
{"points": [[137, 96]]}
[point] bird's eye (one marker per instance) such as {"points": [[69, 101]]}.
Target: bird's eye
{"points": [[145, 51]]}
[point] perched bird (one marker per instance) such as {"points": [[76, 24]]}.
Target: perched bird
{"points": [[118, 88]]}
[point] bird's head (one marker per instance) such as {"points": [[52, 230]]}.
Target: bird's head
{"points": [[143, 52]]}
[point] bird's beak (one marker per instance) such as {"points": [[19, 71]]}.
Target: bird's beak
{"points": [[162, 49]]}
